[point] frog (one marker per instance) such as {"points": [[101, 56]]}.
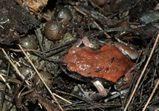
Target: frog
{"points": [[108, 63]]}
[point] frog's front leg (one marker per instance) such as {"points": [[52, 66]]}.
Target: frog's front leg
{"points": [[85, 41], [100, 88], [128, 51]]}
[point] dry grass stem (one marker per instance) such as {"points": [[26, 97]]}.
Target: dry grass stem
{"points": [[37, 72], [152, 94], [98, 26], [4, 80], [107, 35], [14, 66], [142, 73]]}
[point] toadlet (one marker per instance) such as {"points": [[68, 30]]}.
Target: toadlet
{"points": [[107, 63]]}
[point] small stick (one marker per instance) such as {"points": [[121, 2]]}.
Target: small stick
{"points": [[28, 50], [142, 73], [37, 72], [4, 80], [80, 11], [98, 26], [14, 66], [153, 92]]}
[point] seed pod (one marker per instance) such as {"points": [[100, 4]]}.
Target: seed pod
{"points": [[47, 77], [53, 30], [64, 15], [26, 72], [29, 42], [99, 3]]}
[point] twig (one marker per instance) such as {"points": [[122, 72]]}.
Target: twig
{"points": [[14, 66], [4, 80], [142, 73], [153, 92], [80, 11], [98, 26], [18, 50], [39, 38], [37, 72]]}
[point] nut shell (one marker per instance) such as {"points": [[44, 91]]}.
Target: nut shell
{"points": [[53, 31], [64, 15], [27, 72], [99, 3], [29, 42], [47, 77]]}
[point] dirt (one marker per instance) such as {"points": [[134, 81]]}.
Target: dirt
{"points": [[14, 21]]}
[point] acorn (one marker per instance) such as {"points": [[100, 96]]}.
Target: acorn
{"points": [[53, 30], [46, 76], [99, 3], [27, 72], [29, 42], [64, 15]]}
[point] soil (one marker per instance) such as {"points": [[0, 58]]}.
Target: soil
{"points": [[14, 21]]}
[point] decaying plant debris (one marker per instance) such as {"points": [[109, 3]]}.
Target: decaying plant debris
{"points": [[14, 21], [36, 36]]}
